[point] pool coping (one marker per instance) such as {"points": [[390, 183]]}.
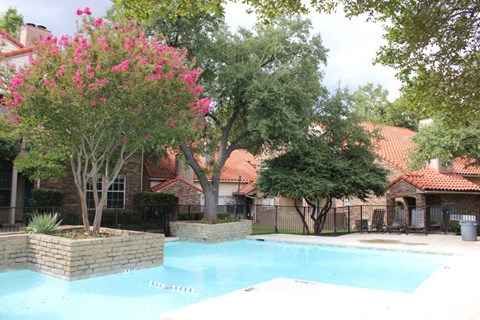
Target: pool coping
{"points": [[448, 294]]}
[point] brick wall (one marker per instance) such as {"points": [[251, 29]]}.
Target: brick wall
{"points": [[186, 195], [76, 259], [403, 189], [202, 232], [131, 170]]}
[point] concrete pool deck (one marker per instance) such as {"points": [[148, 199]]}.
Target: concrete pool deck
{"points": [[451, 293]]}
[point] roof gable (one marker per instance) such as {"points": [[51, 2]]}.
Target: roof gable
{"points": [[395, 148], [165, 184]]}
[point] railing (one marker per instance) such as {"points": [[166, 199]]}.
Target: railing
{"points": [[145, 218], [267, 219]]}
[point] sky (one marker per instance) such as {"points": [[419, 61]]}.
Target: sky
{"points": [[352, 44]]}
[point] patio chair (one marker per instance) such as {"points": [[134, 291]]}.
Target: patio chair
{"points": [[378, 218], [399, 222], [418, 220]]}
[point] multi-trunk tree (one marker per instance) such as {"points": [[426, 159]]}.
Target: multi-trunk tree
{"points": [[100, 96], [335, 161]]}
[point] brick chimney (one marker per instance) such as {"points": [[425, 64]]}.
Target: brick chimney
{"points": [[31, 32]]}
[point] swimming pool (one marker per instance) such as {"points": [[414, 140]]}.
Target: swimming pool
{"points": [[211, 270]]}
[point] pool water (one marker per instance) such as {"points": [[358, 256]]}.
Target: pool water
{"points": [[211, 270]]}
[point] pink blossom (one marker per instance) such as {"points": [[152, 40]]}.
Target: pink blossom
{"points": [[171, 124], [106, 48], [148, 137], [97, 23], [93, 103], [102, 100], [87, 11], [40, 127], [124, 139], [79, 12]]}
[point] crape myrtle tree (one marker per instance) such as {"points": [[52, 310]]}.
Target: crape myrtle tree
{"points": [[100, 96], [335, 161], [263, 84]]}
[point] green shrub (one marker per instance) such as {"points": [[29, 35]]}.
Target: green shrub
{"points": [[190, 216], [221, 218], [44, 223], [154, 199], [44, 198]]}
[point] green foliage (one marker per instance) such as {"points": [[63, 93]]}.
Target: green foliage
{"points": [[371, 104], [221, 218], [44, 198], [11, 21], [146, 9], [263, 83], [42, 164], [190, 216], [44, 223], [335, 161], [154, 199], [440, 140], [9, 149]]}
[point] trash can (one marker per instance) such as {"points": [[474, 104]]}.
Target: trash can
{"points": [[468, 229]]}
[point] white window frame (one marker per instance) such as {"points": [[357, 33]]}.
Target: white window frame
{"points": [[120, 184]]}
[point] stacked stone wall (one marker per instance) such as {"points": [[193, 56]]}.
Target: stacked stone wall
{"points": [[13, 252], [76, 259], [202, 232]]}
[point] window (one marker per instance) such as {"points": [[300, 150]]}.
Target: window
{"points": [[268, 203], [346, 202], [115, 194], [5, 183]]}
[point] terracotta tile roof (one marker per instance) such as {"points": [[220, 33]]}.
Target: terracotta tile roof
{"points": [[5, 34], [395, 147], [164, 184], [14, 53], [248, 189], [163, 168], [240, 163], [430, 180]]}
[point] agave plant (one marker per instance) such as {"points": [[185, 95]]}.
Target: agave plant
{"points": [[44, 223]]}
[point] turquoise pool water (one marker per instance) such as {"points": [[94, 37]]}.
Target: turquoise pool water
{"points": [[211, 270]]}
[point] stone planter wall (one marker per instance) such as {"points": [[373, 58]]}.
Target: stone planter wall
{"points": [[202, 232], [13, 252], [76, 259]]}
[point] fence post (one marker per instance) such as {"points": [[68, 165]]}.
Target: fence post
{"points": [[361, 218], [276, 219], [334, 220], [303, 228], [348, 219]]}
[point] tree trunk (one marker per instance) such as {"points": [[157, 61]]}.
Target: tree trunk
{"points": [[320, 219], [211, 203], [302, 217]]}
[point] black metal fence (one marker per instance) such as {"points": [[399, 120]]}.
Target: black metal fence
{"points": [[267, 219]]}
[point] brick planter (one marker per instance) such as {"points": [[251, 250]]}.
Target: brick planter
{"points": [[202, 232], [76, 259]]}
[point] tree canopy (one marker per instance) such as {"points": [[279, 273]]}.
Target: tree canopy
{"points": [[432, 44], [335, 161], [11, 21], [263, 84], [371, 104], [100, 96]]}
